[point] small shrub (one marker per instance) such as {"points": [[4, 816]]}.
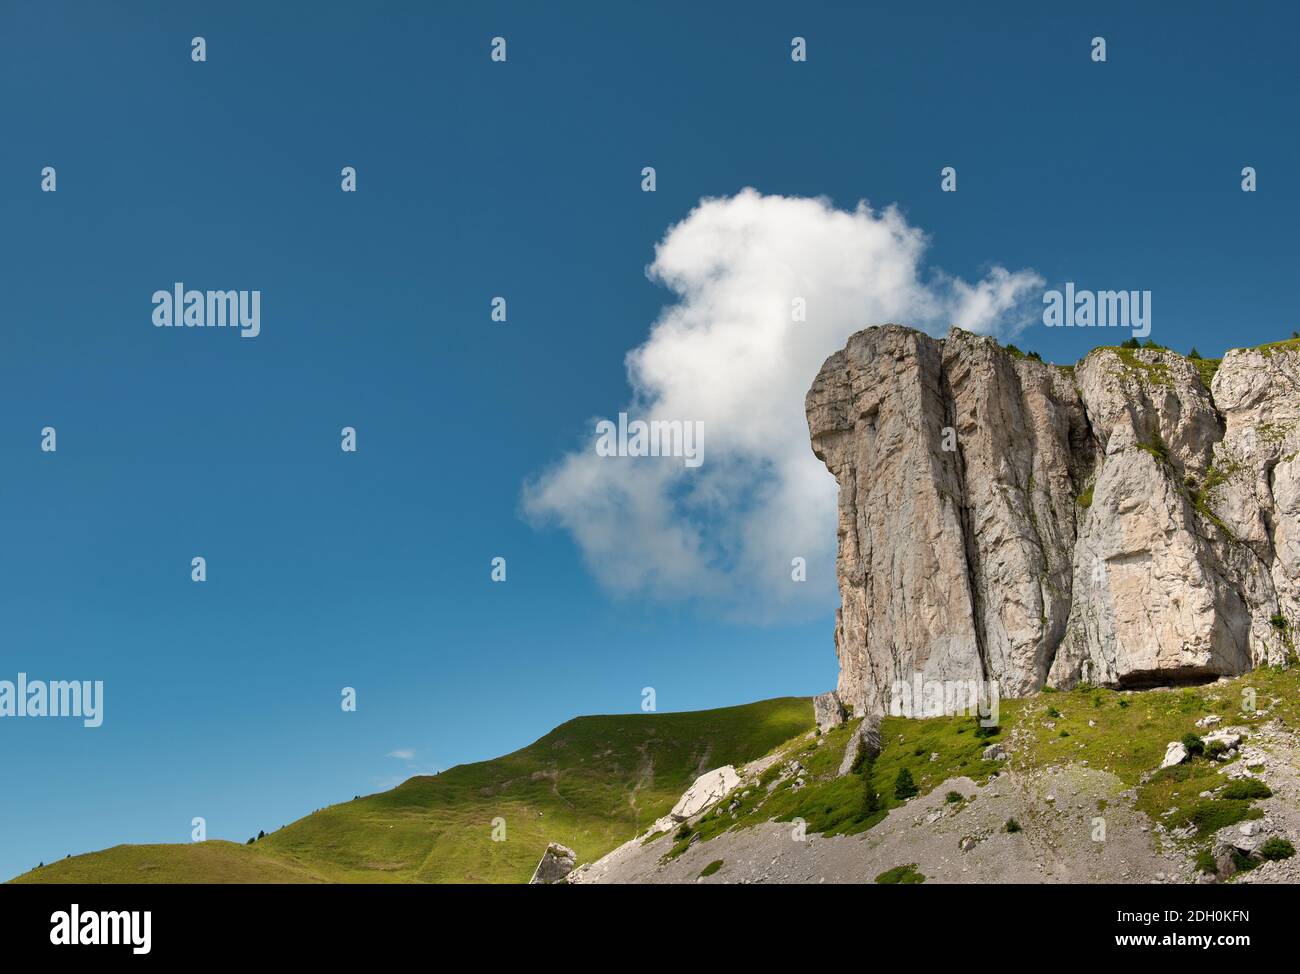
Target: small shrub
{"points": [[901, 875], [711, 868], [1123, 704], [1243, 863], [1179, 772], [1012, 825], [1205, 862], [1195, 746], [683, 833], [1277, 848], [1065, 733], [677, 850], [1247, 788], [1053, 713], [1215, 748], [861, 757], [870, 804], [904, 786], [1157, 448], [1213, 814], [953, 797]]}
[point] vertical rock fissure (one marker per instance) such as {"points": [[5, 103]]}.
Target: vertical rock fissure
{"points": [[969, 547]]}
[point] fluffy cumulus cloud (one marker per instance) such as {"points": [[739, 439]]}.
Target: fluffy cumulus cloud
{"points": [[730, 354]]}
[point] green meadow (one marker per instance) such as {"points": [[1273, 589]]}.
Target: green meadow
{"points": [[591, 784]]}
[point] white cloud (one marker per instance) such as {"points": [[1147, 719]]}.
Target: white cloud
{"points": [[728, 353], [405, 754]]}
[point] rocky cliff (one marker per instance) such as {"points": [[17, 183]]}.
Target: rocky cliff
{"points": [[1118, 522]]}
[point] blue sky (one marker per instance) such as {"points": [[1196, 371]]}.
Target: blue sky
{"points": [[477, 179]]}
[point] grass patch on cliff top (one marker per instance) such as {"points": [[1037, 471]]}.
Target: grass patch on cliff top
{"points": [[1287, 345], [1156, 373]]}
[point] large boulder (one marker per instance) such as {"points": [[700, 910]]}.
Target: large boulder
{"points": [[1175, 753], [556, 863], [827, 711], [708, 789], [867, 735]]}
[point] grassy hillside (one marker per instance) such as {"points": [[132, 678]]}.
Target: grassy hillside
{"points": [[591, 784], [215, 861], [596, 781], [1121, 732]]}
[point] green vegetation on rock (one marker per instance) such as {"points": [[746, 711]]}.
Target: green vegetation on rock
{"points": [[901, 876], [1277, 848]]}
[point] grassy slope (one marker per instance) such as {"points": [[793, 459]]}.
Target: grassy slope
{"points": [[1127, 738], [216, 861], [596, 781], [591, 784]]}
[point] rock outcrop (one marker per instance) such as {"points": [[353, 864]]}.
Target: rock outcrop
{"points": [[1001, 519], [828, 712], [556, 863], [865, 738], [708, 789]]}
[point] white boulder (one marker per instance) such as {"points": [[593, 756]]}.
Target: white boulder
{"points": [[1175, 753], [708, 789]]}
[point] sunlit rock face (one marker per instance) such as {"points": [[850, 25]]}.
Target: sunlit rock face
{"points": [[1002, 519]]}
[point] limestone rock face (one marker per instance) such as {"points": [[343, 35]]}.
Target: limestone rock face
{"points": [[1006, 520]]}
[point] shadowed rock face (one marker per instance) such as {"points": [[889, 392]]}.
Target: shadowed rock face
{"points": [[1003, 519]]}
